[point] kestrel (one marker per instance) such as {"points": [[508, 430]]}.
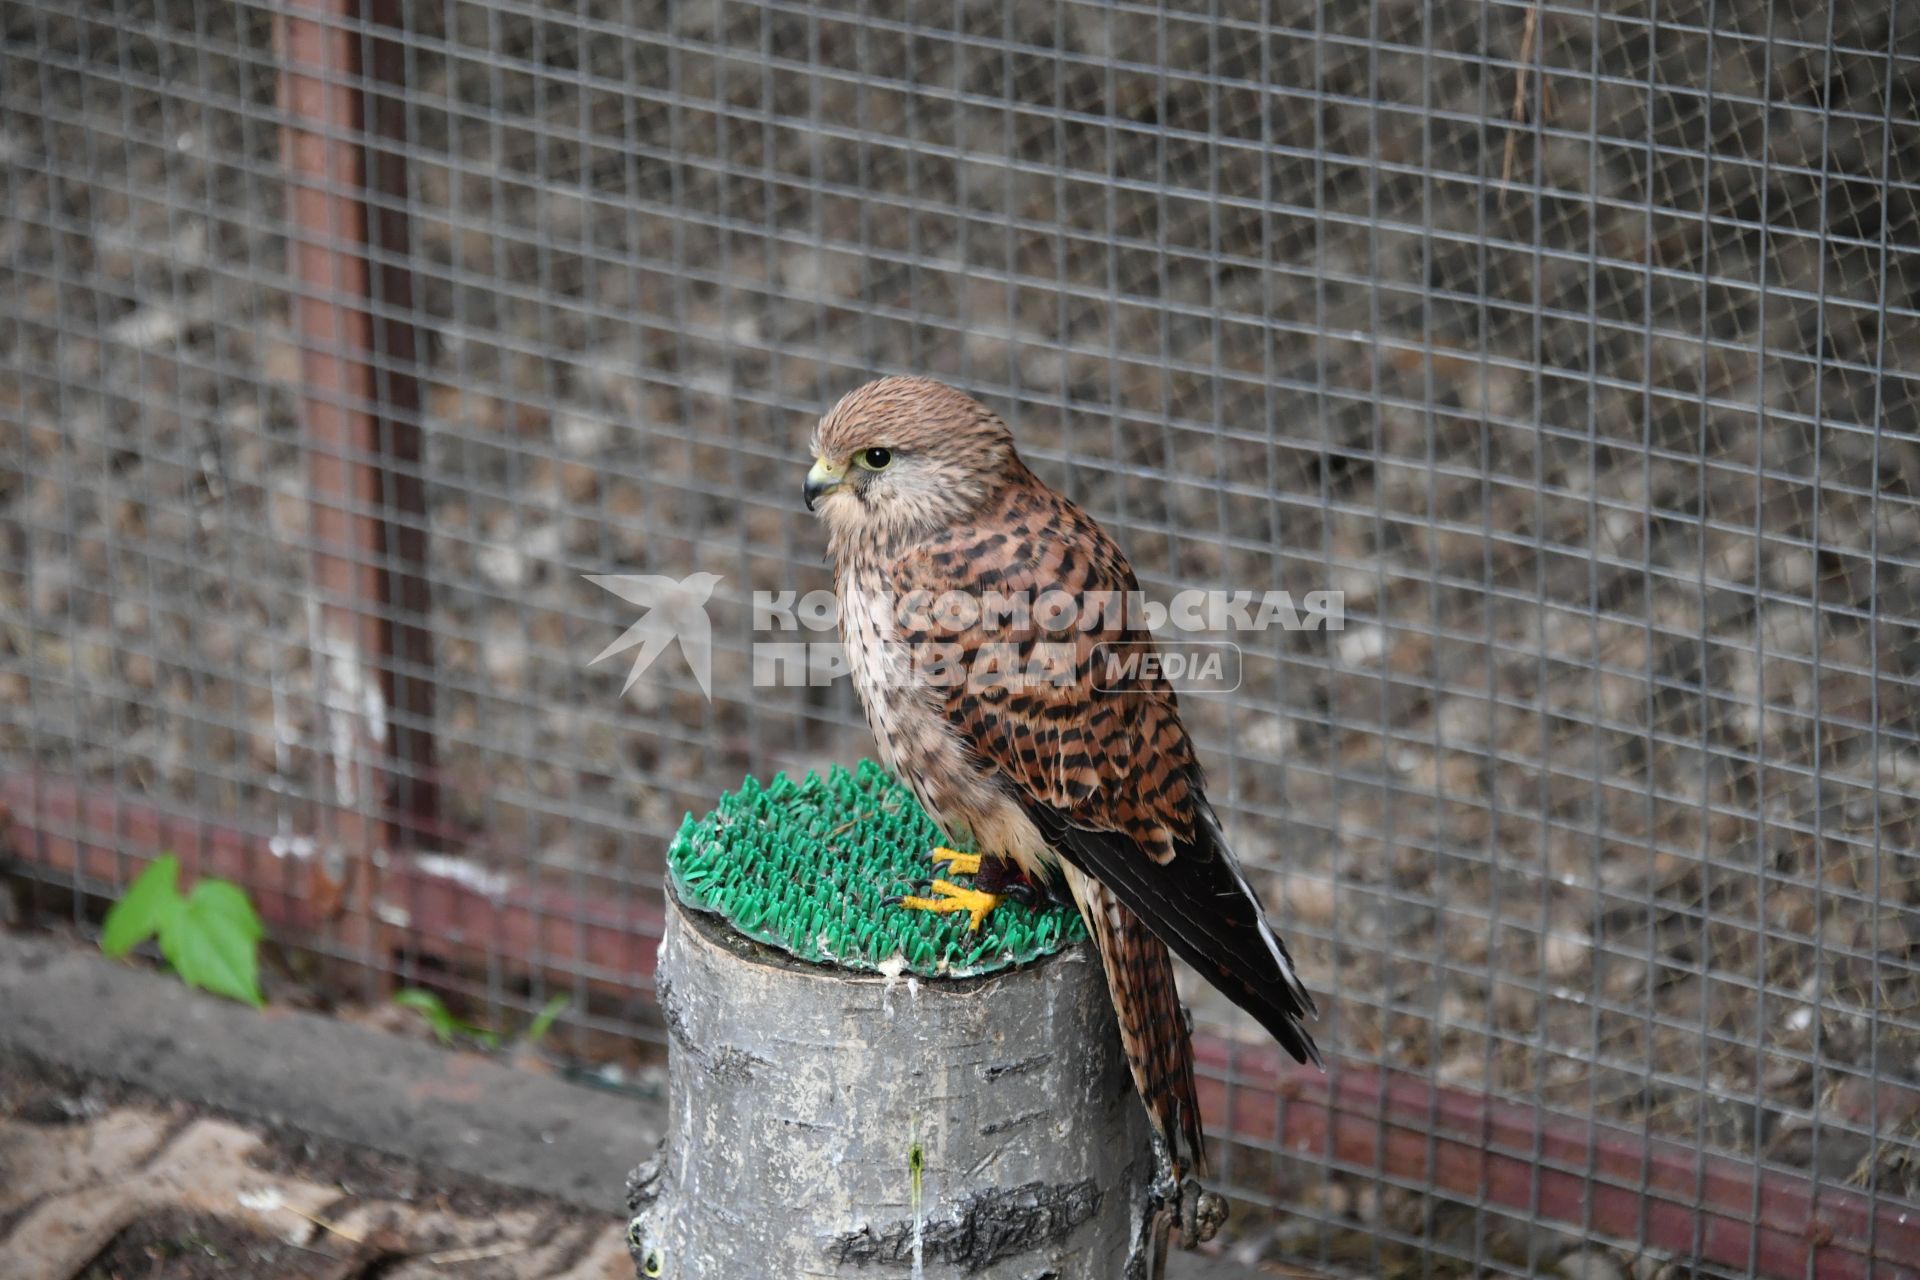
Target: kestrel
{"points": [[1012, 734]]}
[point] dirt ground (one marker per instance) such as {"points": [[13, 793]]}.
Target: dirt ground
{"points": [[188, 1246], [1608, 794], [108, 1182]]}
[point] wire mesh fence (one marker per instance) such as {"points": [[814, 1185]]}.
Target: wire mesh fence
{"points": [[1574, 345]]}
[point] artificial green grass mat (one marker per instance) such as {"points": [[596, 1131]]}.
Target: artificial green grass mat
{"points": [[817, 868]]}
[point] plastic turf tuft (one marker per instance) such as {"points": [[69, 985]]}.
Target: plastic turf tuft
{"points": [[817, 868]]}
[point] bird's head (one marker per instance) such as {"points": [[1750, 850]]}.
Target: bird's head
{"points": [[906, 455]]}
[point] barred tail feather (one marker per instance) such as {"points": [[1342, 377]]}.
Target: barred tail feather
{"points": [[1153, 1026]]}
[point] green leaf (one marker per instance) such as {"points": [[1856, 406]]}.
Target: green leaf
{"points": [[144, 909], [424, 1001], [431, 1007], [213, 940], [543, 1021], [228, 901]]}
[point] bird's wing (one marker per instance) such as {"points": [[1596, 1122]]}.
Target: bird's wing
{"points": [[1102, 764]]}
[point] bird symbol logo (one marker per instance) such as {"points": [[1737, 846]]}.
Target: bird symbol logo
{"points": [[676, 610]]}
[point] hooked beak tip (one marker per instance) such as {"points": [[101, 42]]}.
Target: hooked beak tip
{"points": [[821, 481]]}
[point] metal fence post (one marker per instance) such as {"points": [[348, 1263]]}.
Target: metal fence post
{"points": [[360, 422]]}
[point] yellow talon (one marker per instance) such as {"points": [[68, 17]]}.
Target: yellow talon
{"points": [[949, 898], [958, 863]]}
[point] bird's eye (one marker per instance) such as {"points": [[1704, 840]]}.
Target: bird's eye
{"points": [[873, 459]]}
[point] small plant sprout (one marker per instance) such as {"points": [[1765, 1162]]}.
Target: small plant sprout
{"points": [[211, 936], [543, 1021], [448, 1026]]}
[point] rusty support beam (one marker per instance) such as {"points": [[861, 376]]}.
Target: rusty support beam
{"points": [[360, 417], [397, 391], [1616, 1181]]}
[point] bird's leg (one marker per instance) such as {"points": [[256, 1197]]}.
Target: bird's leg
{"points": [[958, 863], [949, 897], [1003, 878], [995, 880]]}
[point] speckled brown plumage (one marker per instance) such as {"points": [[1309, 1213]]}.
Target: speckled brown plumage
{"points": [[1057, 775]]}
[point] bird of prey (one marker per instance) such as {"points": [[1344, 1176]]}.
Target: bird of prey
{"points": [[1072, 783]]}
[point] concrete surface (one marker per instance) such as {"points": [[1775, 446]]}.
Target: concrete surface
{"points": [[355, 1084]]}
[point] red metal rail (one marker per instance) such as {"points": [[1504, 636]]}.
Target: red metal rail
{"points": [[417, 904], [1623, 1183], [1618, 1182]]}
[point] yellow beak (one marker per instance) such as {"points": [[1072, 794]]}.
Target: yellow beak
{"points": [[821, 481]]}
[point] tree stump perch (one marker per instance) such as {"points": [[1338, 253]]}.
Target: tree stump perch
{"points": [[824, 1122]]}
